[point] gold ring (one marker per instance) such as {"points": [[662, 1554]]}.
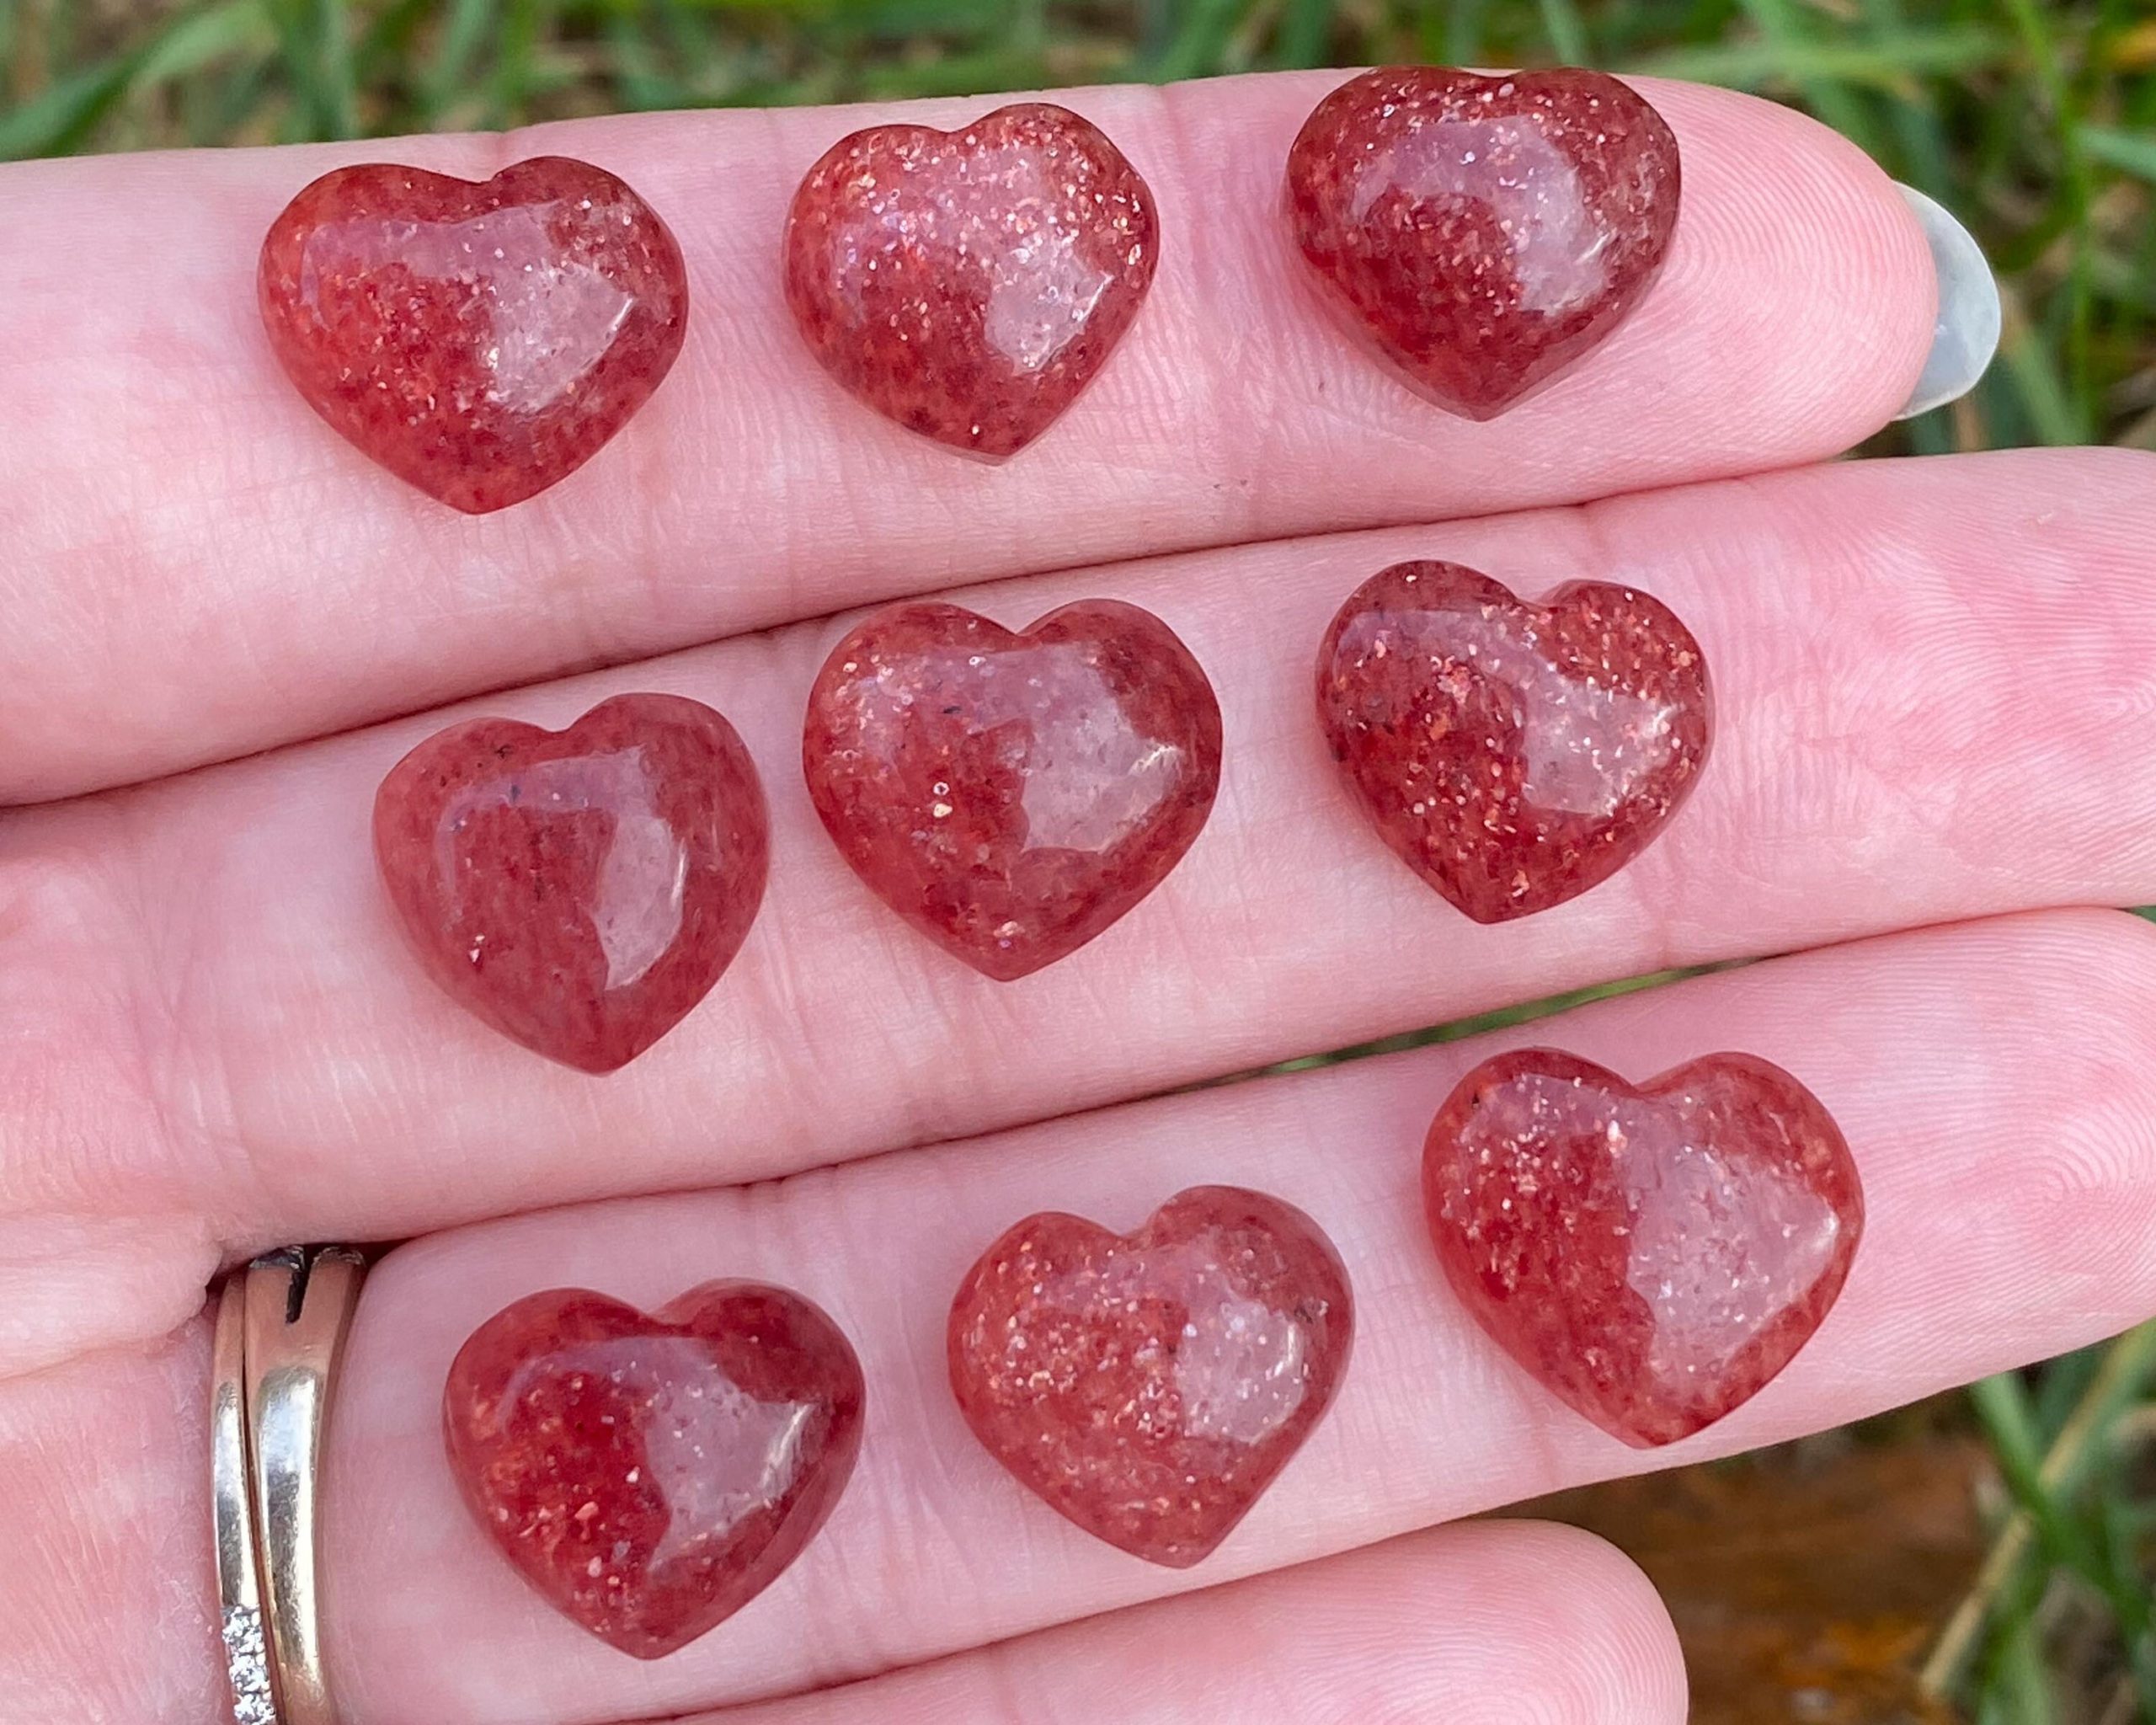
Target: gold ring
{"points": [[280, 1328]]}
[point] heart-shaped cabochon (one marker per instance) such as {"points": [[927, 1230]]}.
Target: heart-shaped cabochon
{"points": [[580, 890], [650, 1475], [969, 284], [1150, 1385], [480, 338], [1511, 754], [1481, 234], [1654, 1254], [1012, 795]]}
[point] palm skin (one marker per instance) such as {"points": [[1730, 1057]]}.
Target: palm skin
{"points": [[1932, 758]]}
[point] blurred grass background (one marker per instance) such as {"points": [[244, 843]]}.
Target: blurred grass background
{"points": [[1996, 1563]]}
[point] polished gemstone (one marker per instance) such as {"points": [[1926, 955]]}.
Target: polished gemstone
{"points": [[1150, 1385], [1012, 795], [580, 890], [1653, 1254], [1483, 233], [1512, 754], [651, 1476], [481, 340], [968, 284]]}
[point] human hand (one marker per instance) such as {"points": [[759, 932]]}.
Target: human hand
{"points": [[1933, 742]]}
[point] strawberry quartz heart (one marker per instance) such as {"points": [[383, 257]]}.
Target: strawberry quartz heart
{"points": [[1150, 1386], [481, 340], [1653, 1255], [1513, 755], [1483, 233], [1011, 796], [651, 1476], [580, 890], [968, 284]]}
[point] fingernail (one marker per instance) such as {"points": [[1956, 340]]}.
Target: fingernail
{"points": [[1966, 335]]}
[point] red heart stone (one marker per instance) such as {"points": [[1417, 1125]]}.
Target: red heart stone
{"points": [[580, 890], [651, 1476], [480, 339], [1654, 1255], [1149, 1386], [1483, 233], [968, 284], [1011, 796], [1514, 755]]}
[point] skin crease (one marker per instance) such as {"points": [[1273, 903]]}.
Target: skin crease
{"points": [[203, 1058]]}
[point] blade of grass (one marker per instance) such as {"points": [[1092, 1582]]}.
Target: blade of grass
{"points": [[61, 121], [2132, 151], [2047, 397], [1885, 64], [462, 32], [1913, 117], [1463, 32], [1827, 98], [2076, 186], [2128, 1369], [1206, 27], [2022, 1687], [1567, 32], [1305, 34], [317, 51]]}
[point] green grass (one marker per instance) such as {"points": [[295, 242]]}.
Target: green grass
{"points": [[2035, 121]]}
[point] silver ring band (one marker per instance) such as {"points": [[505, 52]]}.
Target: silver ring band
{"points": [[282, 1324]]}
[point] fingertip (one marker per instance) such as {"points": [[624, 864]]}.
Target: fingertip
{"points": [[1795, 222], [1586, 1638]]}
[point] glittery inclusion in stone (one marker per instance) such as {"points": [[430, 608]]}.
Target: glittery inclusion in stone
{"points": [[1150, 1386], [650, 1475], [1653, 1255], [1483, 233], [1513, 755], [580, 890], [1012, 795], [968, 284], [481, 340]]}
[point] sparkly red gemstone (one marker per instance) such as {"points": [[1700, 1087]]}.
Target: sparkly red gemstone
{"points": [[651, 1476], [1150, 1385], [1483, 233], [1514, 755], [968, 284], [1656, 1254], [1012, 795], [480, 339], [580, 890]]}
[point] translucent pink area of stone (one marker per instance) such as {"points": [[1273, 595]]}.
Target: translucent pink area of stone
{"points": [[969, 284], [1150, 1386], [482, 340], [1012, 795], [649, 1476], [580, 890], [1483, 233], [1653, 1254], [1511, 754]]}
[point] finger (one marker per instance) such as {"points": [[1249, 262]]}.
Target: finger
{"points": [[107, 1596], [197, 567], [1931, 678], [107, 1592], [1465, 1624], [1992, 1080]]}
